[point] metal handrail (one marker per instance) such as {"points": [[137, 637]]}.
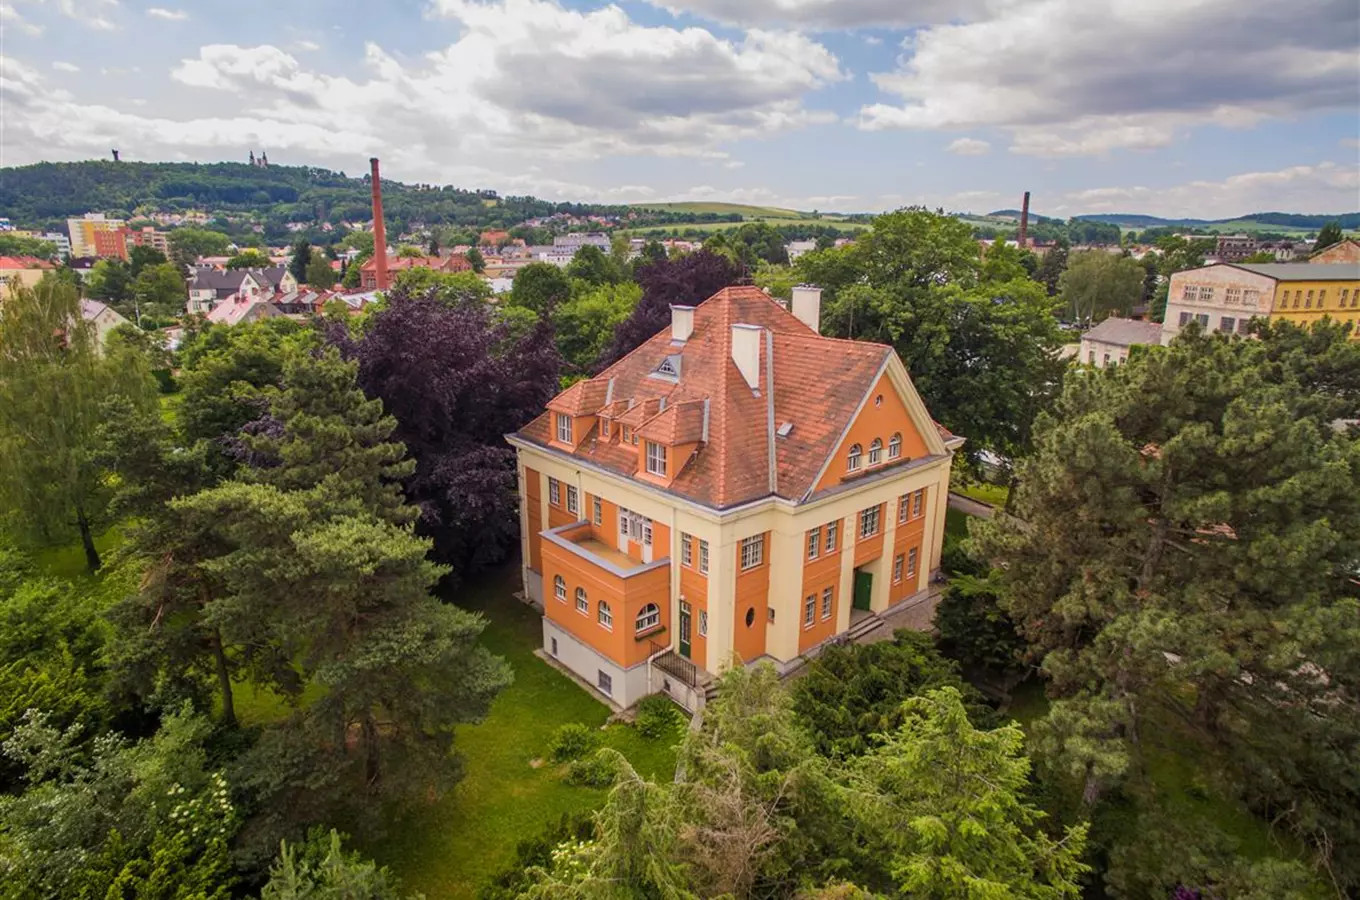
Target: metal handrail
{"points": [[673, 664]]}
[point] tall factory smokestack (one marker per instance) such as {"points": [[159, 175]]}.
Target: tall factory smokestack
{"points": [[1023, 238], [379, 229]]}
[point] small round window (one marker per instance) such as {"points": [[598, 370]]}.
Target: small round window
{"points": [[878, 401], [750, 617]]}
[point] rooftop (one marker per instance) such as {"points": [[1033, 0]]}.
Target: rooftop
{"points": [[1125, 332], [1305, 271]]}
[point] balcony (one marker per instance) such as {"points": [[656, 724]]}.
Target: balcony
{"points": [[581, 540]]}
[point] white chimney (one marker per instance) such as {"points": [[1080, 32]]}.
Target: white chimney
{"points": [[682, 323], [746, 352], [807, 306]]}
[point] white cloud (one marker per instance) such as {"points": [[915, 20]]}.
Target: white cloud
{"points": [[824, 14], [304, 46], [1353, 143], [65, 66], [965, 146], [602, 86], [16, 20], [872, 40], [1118, 75], [1322, 188], [170, 15]]}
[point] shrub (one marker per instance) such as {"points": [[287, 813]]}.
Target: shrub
{"points": [[597, 771], [512, 882], [572, 741], [973, 627], [657, 717]]}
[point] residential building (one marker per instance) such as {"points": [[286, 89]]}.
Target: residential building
{"points": [[368, 272], [21, 270], [104, 317], [240, 309], [94, 234], [150, 237], [574, 242], [557, 256], [796, 249], [58, 240], [1224, 297], [493, 239], [1220, 297], [1109, 342], [1346, 251], [1306, 292], [739, 488], [1235, 247], [209, 285]]}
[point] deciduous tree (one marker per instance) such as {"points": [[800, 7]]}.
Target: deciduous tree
{"points": [[1329, 234], [686, 280], [1098, 284], [249, 258], [540, 287]]}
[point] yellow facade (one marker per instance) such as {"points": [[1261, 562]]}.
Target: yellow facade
{"points": [[1306, 302]]}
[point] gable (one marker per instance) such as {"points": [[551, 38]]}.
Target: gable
{"points": [[884, 412]]}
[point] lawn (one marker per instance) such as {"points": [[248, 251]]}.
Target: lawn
{"points": [[68, 560], [721, 226], [956, 523], [452, 848], [742, 209], [991, 494]]}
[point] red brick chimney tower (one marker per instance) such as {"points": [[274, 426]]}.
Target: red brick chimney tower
{"points": [[1022, 238], [379, 229]]}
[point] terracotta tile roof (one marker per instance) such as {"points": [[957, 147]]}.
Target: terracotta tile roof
{"points": [[818, 384], [584, 398], [24, 262]]}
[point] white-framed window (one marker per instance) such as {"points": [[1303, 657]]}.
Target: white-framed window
{"points": [[1206, 294], [1203, 320], [917, 500], [1227, 324], [648, 617], [1322, 298], [1232, 295], [752, 551], [911, 561], [827, 596], [605, 683], [596, 510], [1191, 293], [564, 428], [560, 588], [814, 543], [1184, 320], [832, 533], [656, 459], [1250, 297], [627, 435], [554, 492], [573, 500], [868, 522], [647, 532], [897, 569], [703, 557], [686, 550], [809, 610], [903, 507], [895, 446], [604, 429], [703, 623], [853, 459], [582, 602], [605, 615], [875, 452], [1243, 326]]}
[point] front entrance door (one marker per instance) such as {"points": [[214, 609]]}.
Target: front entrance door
{"points": [[864, 590], [684, 629]]}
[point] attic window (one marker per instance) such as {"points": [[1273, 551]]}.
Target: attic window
{"points": [[669, 368], [785, 430]]}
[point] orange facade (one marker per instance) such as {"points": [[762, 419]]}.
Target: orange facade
{"points": [[868, 549], [883, 416], [574, 602], [694, 591], [821, 574], [533, 504], [908, 545], [752, 604]]}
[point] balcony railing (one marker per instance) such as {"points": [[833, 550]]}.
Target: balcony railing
{"points": [[673, 664], [578, 539]]}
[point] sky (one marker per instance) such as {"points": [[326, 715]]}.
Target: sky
{"points": [[1205, 108]]}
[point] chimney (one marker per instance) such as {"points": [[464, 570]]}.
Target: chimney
{"points": [[807, 306], [746, 352], [115, 156], [682, 323], [379, 229], [1023, 237]]}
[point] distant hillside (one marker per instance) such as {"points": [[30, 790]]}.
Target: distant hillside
{"points": [[1014, 214], [1254, 222]]}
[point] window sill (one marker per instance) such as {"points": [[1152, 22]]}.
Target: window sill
{"points": [[649, 632]]}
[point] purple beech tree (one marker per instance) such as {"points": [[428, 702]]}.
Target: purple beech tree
{"points": [[457, 382], [684, 280]]}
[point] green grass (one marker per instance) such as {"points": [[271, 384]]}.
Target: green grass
{"points": [[992, 494], [722, 226], [742, 209], [450, 849], [170, 404], [956, 523], [68, 561]]}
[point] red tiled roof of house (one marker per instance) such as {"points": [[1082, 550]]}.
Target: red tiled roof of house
{"points": [[818, 384], [583, 398], [24, 262]]}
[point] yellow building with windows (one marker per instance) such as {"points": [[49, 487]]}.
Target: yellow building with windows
{"points": [[1306, 293]]}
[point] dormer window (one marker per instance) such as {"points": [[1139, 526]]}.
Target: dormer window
{"points": [[853, 460], [656, 459], [875, 452], [669, 369], [895, 446], [564, 428]]}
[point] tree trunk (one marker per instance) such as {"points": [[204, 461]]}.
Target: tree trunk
{"points": [[224, 679], [92, 560], [370, 738]]}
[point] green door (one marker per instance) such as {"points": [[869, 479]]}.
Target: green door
{"points": [[684, 629], [864, 590]]}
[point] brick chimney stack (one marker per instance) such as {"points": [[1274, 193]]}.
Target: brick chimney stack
{"points": [[379, 230], [1023, 237]]}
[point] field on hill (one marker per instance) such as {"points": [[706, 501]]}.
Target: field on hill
{"points": [[741, 209], [721, 226]]}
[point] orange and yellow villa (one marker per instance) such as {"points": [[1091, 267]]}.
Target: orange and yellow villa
{"points": [[739, 488]]}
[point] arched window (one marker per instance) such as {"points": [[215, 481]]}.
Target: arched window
{"points": [[648, 617], [895, 446], [852, 461], [605, 616], [560, 588], [876, 452], [582, 604]]}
